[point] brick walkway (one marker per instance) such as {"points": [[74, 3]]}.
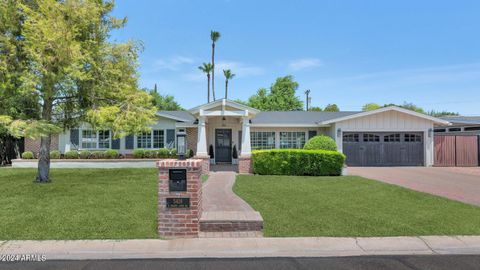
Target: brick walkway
{"points": [[224, 213], [461, 184]]}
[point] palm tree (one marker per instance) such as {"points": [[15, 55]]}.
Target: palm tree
{"points": [[214, 36], [207, 68], [228, 76]]}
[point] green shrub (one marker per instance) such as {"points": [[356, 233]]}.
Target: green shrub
{"points": [[73, 154], [172, 153], [97, 155], [138, 153], [150, 154], [55, 154], [163, 153], [111, 154], [28, 155], [297, 162], [321, 142], [85, 154], [190, 153]]}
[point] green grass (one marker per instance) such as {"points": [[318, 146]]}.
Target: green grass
{"points": [[352, 206], [78, 204], [204, 178]]}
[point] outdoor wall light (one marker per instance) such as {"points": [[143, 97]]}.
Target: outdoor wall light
{"points": [[181, 145], [430, 132], [339, 132]]}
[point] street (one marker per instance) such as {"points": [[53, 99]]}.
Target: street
{"points": [[430, 262]]}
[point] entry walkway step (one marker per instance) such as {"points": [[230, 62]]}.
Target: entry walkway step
{"points": [[224, 213]]}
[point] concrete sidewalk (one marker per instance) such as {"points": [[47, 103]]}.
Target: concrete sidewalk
{"points": [[245, 247]]}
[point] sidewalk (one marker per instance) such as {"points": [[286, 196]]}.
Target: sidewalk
{"points": [[243, 247]]}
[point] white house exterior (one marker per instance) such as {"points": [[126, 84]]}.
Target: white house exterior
{"points": [[389, 136]]}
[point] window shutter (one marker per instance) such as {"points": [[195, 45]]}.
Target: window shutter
{"points": [[129, 142], [239, 140], [170, 138], [75, 137], [116, 144], [312, 133]]}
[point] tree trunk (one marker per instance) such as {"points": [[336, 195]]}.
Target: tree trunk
{"points": [[226, 89], [208, 78], [213, 70], [43, 174]]}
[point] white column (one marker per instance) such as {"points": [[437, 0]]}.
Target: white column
{"points": [[202, 138], [246, 147]]}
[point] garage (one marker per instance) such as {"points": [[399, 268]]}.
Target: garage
{"points": [[384, 148]]}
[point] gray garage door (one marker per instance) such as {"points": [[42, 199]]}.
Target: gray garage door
{"points": [[383, 148]]}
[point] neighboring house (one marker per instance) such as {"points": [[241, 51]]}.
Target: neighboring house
{"points": [[460, 125], [389, 136]]}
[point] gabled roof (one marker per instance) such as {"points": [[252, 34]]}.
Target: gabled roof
{"points": [[385, 109], [295, 118], [223, 103], [182, 116], [462, 120]]}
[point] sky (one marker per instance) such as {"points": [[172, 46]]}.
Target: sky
{"points": [[346, 52]]}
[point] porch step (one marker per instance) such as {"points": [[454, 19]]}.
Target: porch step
{"points": [[248, 222]]}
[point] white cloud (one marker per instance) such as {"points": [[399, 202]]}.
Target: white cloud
{"points": [[173, 63], [304, 63]]}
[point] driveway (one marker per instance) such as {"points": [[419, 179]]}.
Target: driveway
{"points": [[456, 183]]}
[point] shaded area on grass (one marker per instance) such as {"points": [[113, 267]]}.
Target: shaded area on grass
{"points": [[351, 206], [79, 204]]}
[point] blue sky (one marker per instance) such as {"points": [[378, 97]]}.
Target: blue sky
{"points": [[346, 52]]}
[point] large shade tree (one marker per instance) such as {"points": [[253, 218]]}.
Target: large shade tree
{"points": [[280, 97], [72, 69], [164, 102]]}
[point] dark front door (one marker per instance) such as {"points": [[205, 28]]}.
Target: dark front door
{"points": [[223, 145]]}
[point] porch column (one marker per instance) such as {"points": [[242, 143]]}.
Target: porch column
{"points": [[246, 147], [202, 138]]}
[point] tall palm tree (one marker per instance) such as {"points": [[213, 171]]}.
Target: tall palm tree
{"points": [[214, 36], [207, 68], [228, 76]]}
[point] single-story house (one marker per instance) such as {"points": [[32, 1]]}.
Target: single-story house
{"points": [[389, 136]]}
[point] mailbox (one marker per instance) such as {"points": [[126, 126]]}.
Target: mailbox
{"points": [[177, 180]]}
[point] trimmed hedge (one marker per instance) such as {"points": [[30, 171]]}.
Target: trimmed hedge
{"points": [[55, 154], [71, 154], [321, 142], [111, 154], [85, 154], [298, 162], [28, 155]]}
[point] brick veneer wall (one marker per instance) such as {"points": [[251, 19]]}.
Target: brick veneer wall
{"points": [[180, 222], [192, 136], [245, 165], [34, 145]]}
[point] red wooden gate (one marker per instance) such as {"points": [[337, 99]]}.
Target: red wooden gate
{"points": [[460, 150]]}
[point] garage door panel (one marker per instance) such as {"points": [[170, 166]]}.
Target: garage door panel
{"points": [[384, 149]]}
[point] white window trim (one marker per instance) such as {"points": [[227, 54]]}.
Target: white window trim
{"points": [[305, 134], [151, 140], [80, 147]]}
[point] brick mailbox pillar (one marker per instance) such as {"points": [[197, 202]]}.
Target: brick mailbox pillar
{"points": [[179, 197]]}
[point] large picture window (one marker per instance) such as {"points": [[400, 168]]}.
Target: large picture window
{"points": [[92, 139], [262, 140], [152, 139], [292, 140]]}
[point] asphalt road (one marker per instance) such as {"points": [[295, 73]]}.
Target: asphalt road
{"points": [[431, 262]]}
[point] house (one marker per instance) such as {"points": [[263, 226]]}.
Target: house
{"points": [[389, 136], [460, 125]]}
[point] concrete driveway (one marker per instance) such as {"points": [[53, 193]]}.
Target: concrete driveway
{"points": [[457, 183]]}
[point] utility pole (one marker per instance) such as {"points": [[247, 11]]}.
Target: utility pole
{"points": [[308, 98]]}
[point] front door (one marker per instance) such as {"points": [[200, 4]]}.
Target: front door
{"points": [[223, 145]]}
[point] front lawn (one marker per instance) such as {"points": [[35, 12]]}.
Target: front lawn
{"points": [[78, 204], [352, 206]]}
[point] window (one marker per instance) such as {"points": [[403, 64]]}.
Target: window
{"points": [[440, 130], [413, 138], [292, 139], [392, 138], [262, 140], [158, 139], [351, 138], [471, 128], [152, 139], [92, 139], [454, 129], [368, 137], [144, 140]]}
